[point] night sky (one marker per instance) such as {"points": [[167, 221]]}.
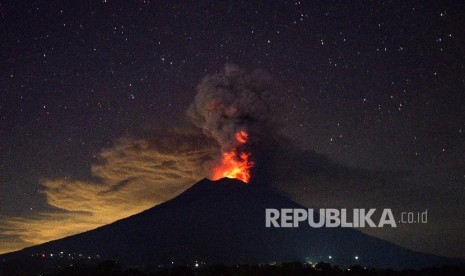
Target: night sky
{"points": [[375, 87]]}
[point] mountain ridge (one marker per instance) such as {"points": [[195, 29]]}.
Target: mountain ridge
{"points": [[223, 221]]}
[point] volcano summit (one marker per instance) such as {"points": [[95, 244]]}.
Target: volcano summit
{"points": [[224, 222]]}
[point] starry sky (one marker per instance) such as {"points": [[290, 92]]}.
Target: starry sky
{"points": [[376, 87]]}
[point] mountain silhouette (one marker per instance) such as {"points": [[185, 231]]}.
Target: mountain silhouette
{"points": [[224, 222]]}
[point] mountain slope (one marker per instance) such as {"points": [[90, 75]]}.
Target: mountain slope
{"points": [[224, 222]]}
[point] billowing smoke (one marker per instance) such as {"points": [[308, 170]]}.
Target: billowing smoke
{"points": [[234, 100], [236, 109]]}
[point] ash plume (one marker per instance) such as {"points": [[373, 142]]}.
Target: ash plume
{"points": [[235, 100], [153, 165]]}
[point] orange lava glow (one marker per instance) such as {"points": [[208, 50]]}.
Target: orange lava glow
{"points": [[234, 163]]}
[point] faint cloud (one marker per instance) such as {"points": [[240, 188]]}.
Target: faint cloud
{"points": [[131, 176]]}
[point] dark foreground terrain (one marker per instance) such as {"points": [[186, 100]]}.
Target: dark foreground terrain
{"points": [[112, 268]]}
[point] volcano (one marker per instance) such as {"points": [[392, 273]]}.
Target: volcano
{"points": [[224, 222]]}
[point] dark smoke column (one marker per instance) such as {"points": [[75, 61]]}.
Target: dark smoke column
{"points": [[232, 102]]}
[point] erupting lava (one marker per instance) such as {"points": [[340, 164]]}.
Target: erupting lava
{"points": [[235, 163]]}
